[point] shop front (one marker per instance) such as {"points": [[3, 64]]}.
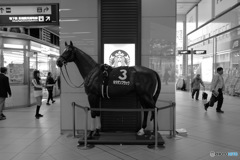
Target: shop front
{"points": [[21, 58], [220, 38]]}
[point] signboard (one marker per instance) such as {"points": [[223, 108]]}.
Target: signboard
{"points": [[222, 5], [117, 55], [191, 19], [194, 52], [200, 52], [184, 52], [29, 15]]}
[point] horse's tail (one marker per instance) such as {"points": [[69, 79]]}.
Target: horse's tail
{"points": [[155, 96]]}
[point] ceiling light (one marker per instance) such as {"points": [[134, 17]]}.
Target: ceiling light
{"points": [[69, 20]]}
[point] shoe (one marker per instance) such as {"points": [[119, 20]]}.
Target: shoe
{"points": [[197, 99], [3, 115], [40, 115], [205, 107], [53, 101], [2, 118], [47, 103], [219, 111]]}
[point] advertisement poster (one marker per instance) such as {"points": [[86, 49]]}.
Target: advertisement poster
{"points": [[117, 55], [16, 73]]}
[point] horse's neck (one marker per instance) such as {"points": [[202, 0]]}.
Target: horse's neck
{"points": [[84, 63]]}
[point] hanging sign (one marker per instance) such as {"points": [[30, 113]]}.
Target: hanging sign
{"points": [[29, 15]]}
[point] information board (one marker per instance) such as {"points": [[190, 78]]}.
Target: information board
{"points": [[29, 15]]}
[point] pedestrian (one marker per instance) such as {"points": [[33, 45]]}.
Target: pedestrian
{"points": [[50, 82], [38, 89], [5, 90], [196, 86], [166, 77], [217, 88]]}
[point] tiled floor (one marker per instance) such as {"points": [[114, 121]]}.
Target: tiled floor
{"points": [[22, 137]]}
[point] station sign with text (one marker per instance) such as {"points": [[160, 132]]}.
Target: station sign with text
{"points": [[29, 15]]}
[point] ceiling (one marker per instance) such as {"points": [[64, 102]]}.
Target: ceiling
{"points": [[183, 7]]}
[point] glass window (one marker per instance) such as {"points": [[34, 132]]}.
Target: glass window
{"points": [[14, 61], [43, 66]]}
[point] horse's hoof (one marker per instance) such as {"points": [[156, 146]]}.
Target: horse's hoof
{"points": [[141, 132]]}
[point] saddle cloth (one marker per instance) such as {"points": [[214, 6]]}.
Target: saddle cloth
{"points": [[120, 81]]}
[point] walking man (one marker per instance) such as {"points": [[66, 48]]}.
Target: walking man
{"points": [[4, 90], [196, 86], [217, 88]]}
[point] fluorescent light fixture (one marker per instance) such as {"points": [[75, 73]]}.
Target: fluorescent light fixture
{"points": [[74, 32], [35, 48], [67, 36], [69, 20], [16, 46], [80, 32], [66, 9]]}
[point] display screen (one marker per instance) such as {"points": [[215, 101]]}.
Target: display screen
{"points": [[117, 55]]}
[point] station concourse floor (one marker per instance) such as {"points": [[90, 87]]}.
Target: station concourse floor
{"points": [[22, 137]]}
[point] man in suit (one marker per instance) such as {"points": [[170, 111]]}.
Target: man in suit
{"points": [[5, 90], [217, 88]]}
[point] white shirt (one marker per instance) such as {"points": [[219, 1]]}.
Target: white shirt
{"points": [[217, 83]]}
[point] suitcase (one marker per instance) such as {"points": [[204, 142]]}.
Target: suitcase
{"points": [[204, 96]]}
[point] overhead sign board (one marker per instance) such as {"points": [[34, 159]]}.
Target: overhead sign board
{"points": [[194, 52], [184, 52], [200, 52], [29, 15]]}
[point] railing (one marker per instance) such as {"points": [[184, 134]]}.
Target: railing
{"points": [[86, 109]]}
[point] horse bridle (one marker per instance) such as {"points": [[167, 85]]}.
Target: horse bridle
{"points": [[71, 84]]}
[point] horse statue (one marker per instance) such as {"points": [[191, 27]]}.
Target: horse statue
{"points": [[98, 83]]}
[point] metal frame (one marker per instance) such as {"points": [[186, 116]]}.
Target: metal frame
{"points": [[86, 109]]}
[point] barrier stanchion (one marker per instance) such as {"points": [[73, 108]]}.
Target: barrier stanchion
{"points": [[174, 119], [172, 133], [85, 146], [74, 129]]}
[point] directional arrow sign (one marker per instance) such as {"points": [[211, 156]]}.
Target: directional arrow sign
{"points": [[47, 18], [1, 9], [184, 52], [29, 15], [200, 52]]}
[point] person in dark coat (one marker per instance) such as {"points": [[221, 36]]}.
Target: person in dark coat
{"points": [[5, 90], [50, 82]]}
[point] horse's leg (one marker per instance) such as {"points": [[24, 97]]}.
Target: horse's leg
{"points": [[146, 102], [95, 115]]}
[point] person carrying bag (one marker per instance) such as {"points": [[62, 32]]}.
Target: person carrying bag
{"points": [[50, 82]]}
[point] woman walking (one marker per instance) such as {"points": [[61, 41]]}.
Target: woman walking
{"points": [[50, 82], [38, 87]]}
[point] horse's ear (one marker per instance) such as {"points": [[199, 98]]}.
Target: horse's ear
{"points": [[66, 44], [71, 44]]}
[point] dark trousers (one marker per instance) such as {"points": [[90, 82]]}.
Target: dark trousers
{"points": [[214, 99], [197, 93], [50, 95]]}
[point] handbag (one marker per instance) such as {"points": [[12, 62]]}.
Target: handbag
{"points": [[204, 96]]}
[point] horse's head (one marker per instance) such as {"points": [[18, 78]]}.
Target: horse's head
{"points": [[68, 55]]}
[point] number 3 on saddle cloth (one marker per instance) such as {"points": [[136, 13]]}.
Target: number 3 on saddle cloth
{"points": [[116, 81]]}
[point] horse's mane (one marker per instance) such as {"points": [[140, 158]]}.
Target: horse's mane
{"points": [[89, 58]]}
